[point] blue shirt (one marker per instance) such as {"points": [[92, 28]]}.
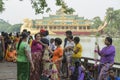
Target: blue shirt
{"points": [[116, 78]]}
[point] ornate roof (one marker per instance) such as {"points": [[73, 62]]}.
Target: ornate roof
{"points": [[60, 18]]}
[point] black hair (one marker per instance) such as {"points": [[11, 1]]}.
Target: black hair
{"points": [[70, 37], [10, 34], [52, 39], [29, 32], [111, 69], [3, 33], [23, 36], [47, 32], [17, 34], [45, 41], [109, 39], [69, 32], [24, 30], [77, 39], [58, 41]]}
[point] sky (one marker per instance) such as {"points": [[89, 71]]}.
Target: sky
{"points": [[16, 11]]}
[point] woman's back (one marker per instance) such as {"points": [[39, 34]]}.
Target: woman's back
{"points": [[21, 56]]}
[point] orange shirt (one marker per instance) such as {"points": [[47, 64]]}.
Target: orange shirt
{"points": [[57, 54], [12, 53]]}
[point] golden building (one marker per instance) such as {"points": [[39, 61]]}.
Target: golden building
{"points": [[59, 23]]}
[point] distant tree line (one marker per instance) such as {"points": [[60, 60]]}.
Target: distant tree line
{"points": [[6, 27]]}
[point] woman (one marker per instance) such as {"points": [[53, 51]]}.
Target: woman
{"points": [[36, 49], [57, 54], [24, 58], [107, 55]]}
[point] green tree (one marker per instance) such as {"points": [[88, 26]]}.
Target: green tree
{"points": [[113, 18], [1, 6], [15, 28], [96, 22], [41, 6], [4, 25]]}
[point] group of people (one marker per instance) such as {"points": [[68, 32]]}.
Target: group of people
{"points": [[44, 58]]}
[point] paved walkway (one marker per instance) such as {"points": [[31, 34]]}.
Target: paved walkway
{"points": [[8, 71]]}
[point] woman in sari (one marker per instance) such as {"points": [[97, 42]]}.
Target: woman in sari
{"points": [[2, 47], [24, 58], [107, 55], [57, 55], [37, 50]]}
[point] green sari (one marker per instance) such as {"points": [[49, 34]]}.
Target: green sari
{"points": [[23, 71], [23, 65]]}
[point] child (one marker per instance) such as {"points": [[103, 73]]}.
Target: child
{"points": [[77, 72], [77, 50], [52, 44]]}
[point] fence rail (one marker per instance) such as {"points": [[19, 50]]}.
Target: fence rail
{"points": [[94, 70]]}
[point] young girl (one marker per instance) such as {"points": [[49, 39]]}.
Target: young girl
{"points": [[77, 72]]}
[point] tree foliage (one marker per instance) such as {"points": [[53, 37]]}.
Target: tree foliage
{"points": [[96, 22], [1, 6], [14, 28], [41, 6], [113, 20], [6, 27]]}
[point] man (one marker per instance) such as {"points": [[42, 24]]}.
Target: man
{"points": [[68, 33], [64, 65], [112, 76]]}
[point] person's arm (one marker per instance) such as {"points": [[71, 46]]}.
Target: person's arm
{"points": [[43, 44], [99, 52], [76, 50], [28, 54], [50, 50], [83, 67], [69, 47]]}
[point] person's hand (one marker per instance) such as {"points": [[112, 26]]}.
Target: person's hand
{"points": [[55, 61], [98, 46]]}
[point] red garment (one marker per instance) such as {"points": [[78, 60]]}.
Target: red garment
{"points": [[42, 30]]}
